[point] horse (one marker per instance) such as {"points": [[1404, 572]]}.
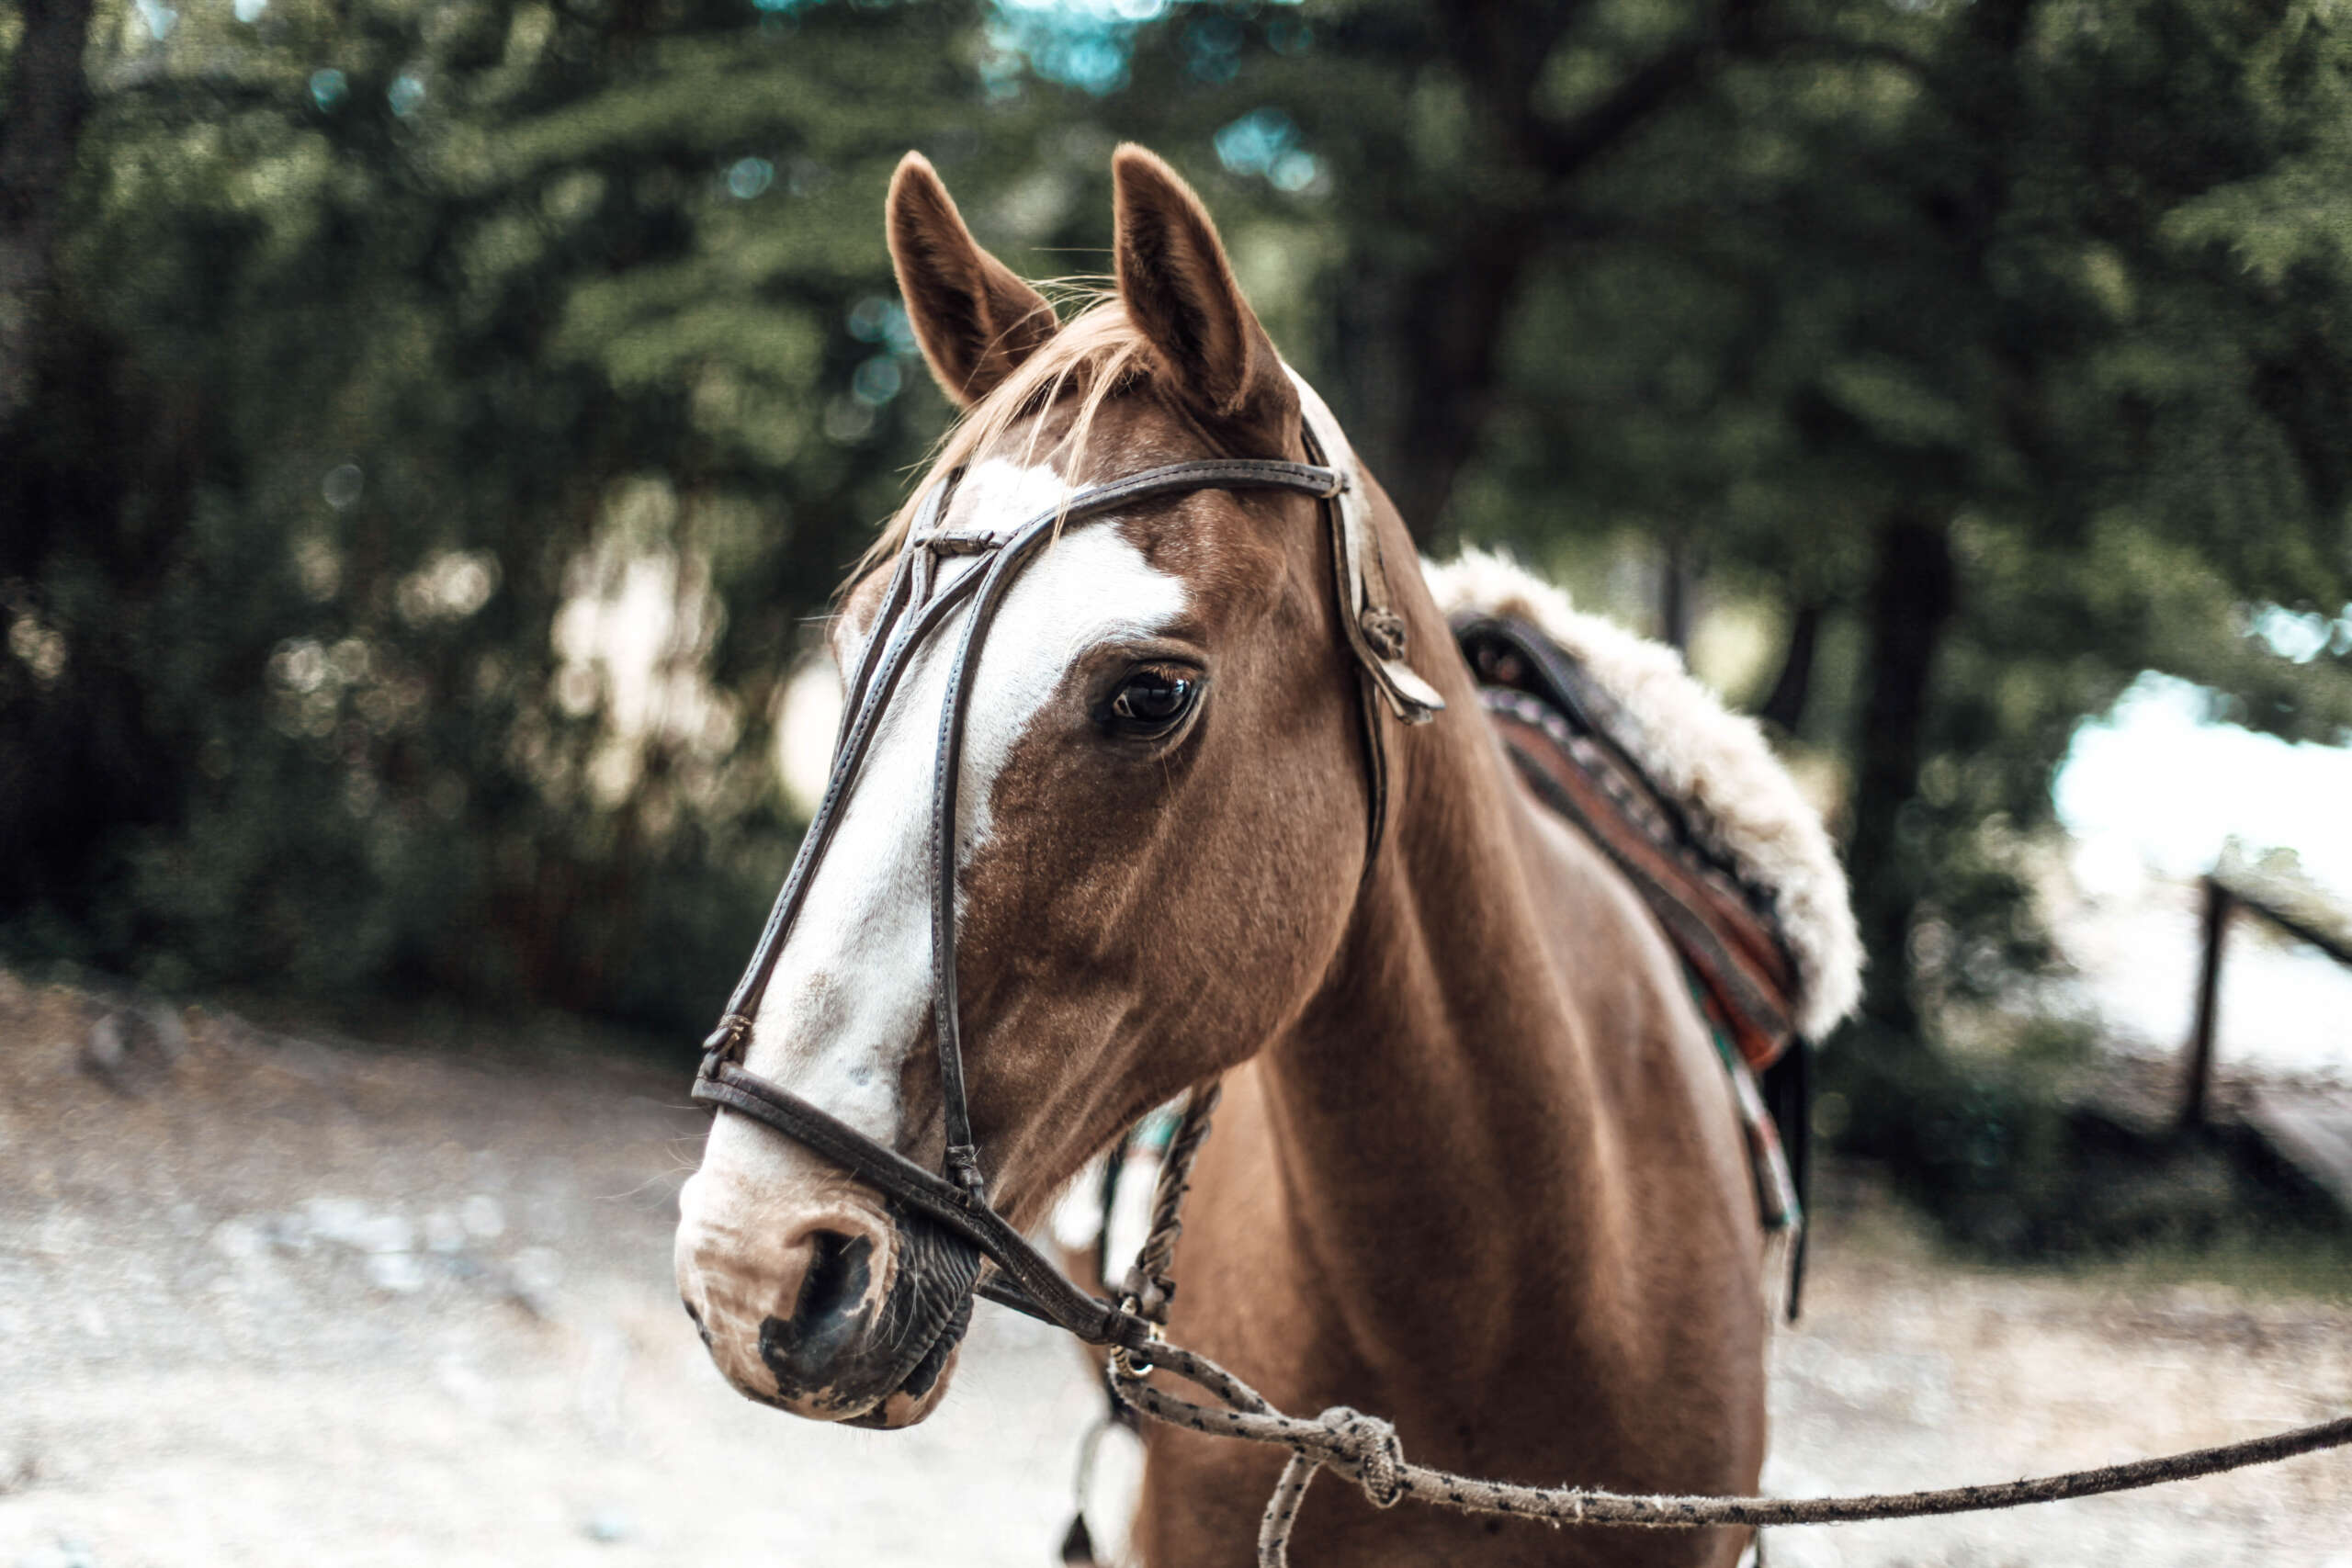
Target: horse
{"points": [[1478, 1166]]}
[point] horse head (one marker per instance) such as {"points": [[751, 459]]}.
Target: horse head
{"points": [[1160, 818]]}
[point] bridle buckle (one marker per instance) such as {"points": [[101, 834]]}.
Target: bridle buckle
{"points": [[963, 1163], [726, 1044], [956, 541]]}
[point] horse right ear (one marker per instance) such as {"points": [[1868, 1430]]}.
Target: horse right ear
{"points": [[1180, 292], [975, 320]]}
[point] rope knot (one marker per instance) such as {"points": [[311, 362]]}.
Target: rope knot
{"points": [[1385, 630], [1364, 1449]]}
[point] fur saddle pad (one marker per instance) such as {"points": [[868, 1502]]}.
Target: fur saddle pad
{"points": [[1561, 728]]}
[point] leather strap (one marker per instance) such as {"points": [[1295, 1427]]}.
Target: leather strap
{"points": [[1376, 633], [916, 604], [1043, 1291], [1011, 556], [878, 675]]}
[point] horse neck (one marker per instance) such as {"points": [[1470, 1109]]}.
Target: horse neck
{"points": [[1441, 1098]]}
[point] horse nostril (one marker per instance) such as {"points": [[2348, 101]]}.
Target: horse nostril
{"points": [[838, 1276], [805, 1351]]}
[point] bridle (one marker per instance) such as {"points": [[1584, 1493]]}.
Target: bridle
{"points": [[916, 606]]}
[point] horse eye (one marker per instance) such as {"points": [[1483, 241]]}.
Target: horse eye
{"points": [[1151, 702]]}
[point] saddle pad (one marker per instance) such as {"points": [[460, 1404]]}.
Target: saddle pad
{"points": [[1555, 723]]}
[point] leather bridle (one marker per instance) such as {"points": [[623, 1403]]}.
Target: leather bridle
{"points": [[915, 606]]}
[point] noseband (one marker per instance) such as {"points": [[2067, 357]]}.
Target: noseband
{"points": [[915, 608]]}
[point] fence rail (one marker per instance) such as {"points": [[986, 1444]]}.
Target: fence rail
{"points": [[2311, 1137], [2299, 913]]}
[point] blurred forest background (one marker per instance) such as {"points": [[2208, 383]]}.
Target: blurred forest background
{"points": [[428, 429]]}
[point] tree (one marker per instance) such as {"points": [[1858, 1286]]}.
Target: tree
{"points": [[1994, 351], [404, 361], [2004, 337], [47, 98]]}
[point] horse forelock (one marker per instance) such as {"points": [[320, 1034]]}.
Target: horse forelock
{"points": [[1095, 356]]}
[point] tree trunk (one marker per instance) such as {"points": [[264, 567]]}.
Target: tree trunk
{"points": [[48, 98], [1794, 687], [1678, 583], [1422, 416], [1911, 597], [1453, 326]]}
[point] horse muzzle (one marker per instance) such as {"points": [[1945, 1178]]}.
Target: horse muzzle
{"points": [[851, 1310]]}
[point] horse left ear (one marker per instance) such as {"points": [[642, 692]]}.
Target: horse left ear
{"points": [[975, 320], [1180, 292]]}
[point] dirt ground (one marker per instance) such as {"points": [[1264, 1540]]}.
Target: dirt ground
{"points": [[273, 1301]]}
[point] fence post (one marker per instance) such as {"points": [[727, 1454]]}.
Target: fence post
{"points": [[2209, 989]]}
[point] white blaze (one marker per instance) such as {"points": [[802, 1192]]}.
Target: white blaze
{"points": [[852, 989]]}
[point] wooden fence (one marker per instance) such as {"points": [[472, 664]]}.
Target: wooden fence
{"points": [[2316, 1140]]}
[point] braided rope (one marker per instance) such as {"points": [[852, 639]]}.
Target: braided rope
{"points": [[1151, 1282], [1365, 1451]]}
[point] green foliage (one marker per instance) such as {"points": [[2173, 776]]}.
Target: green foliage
{"points": [[1997, 1142], [2065, 284], [410, 360], [1978, 1138], [423, 336]]}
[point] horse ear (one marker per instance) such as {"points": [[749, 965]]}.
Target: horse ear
{"points": [[975, 321], [1180, 292]]}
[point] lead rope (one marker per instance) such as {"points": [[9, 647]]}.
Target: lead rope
{"points": [[1148, 1289], [1365, 1449], [1150, 1285]]}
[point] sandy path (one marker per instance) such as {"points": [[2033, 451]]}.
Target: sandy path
{"points": [[326, 1305]]}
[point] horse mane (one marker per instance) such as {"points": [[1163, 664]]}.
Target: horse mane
{"points": [[1096, 353], [1736, 793]]}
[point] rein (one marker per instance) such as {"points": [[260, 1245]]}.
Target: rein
{"points": [[1362, 1449]]}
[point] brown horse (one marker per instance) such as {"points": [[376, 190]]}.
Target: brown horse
{"points": [[1478, 1168]]}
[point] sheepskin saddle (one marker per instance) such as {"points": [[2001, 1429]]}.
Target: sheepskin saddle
{"points": [[1564, 730]]}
